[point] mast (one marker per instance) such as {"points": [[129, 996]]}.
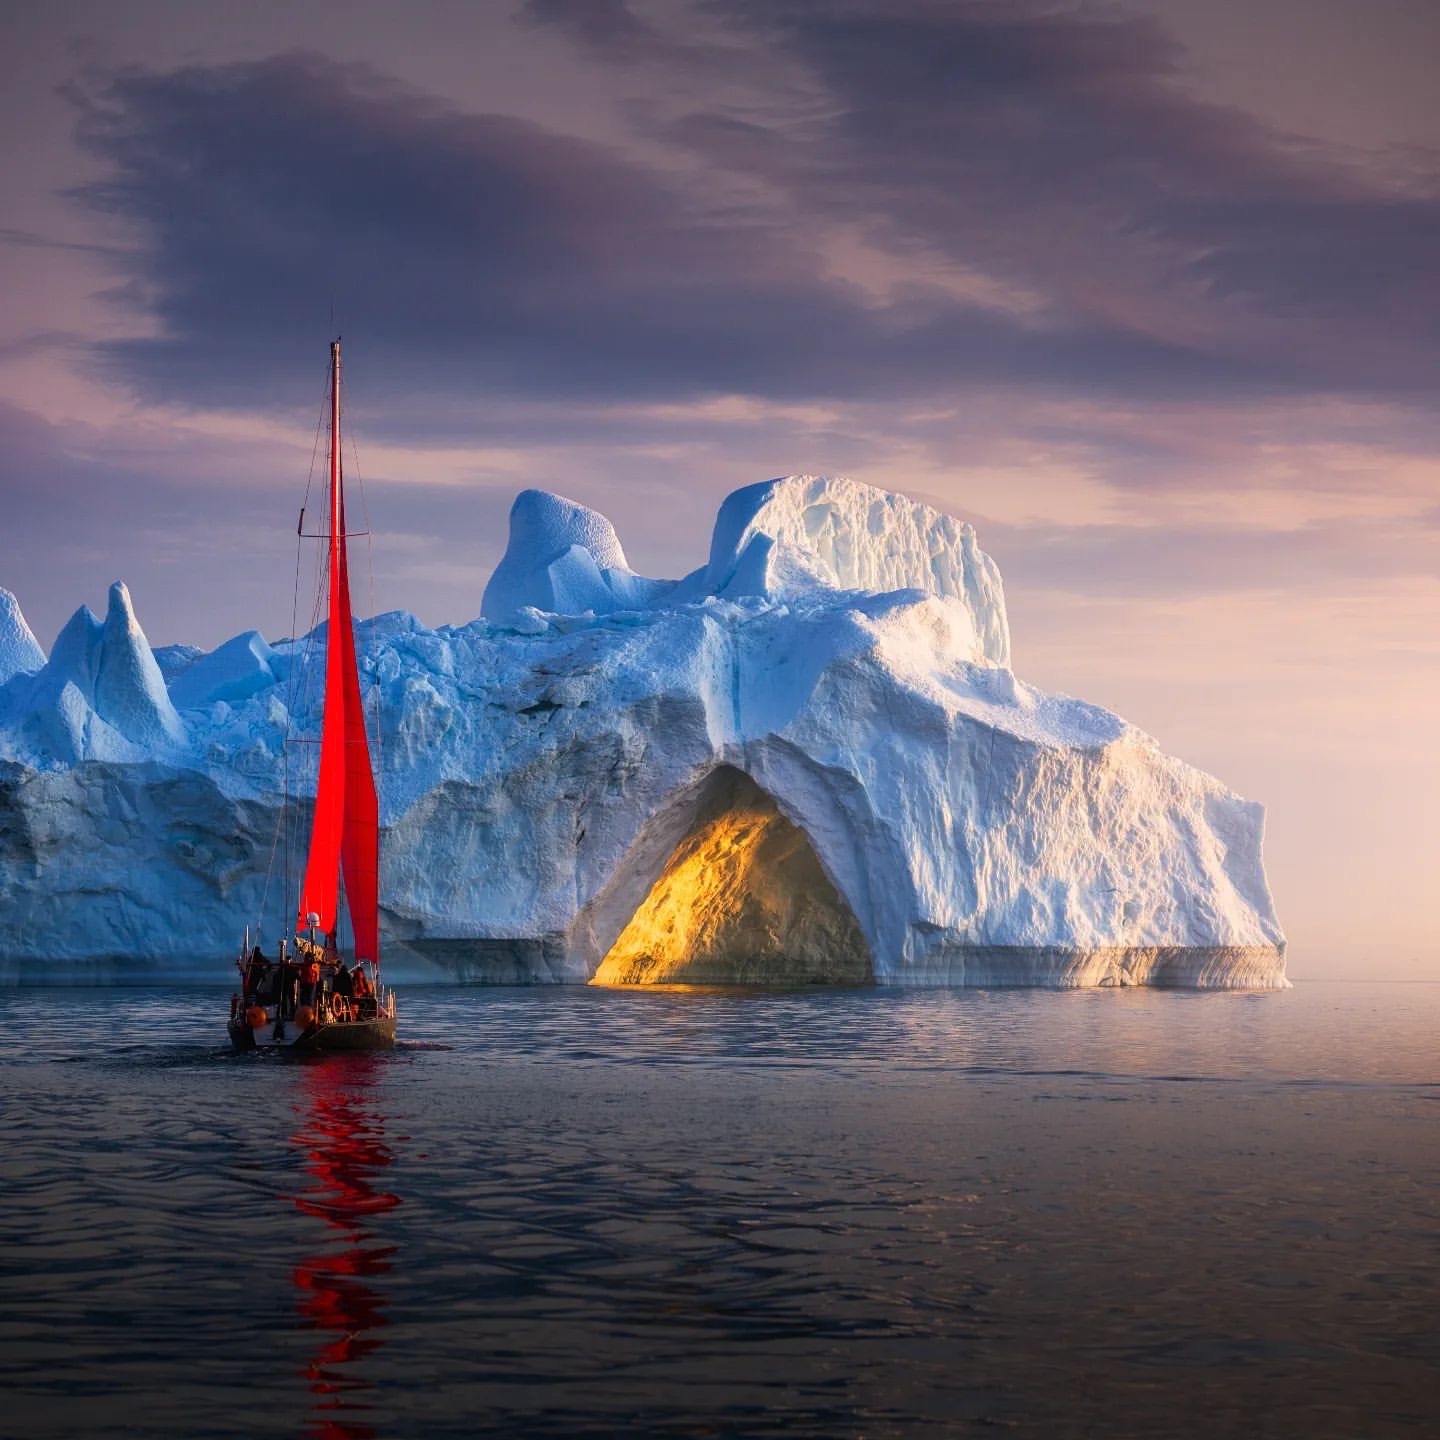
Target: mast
{"points": [[345, 833], [337, 524]]}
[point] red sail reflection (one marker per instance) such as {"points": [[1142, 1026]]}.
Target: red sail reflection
{"points": [[342, 1135]]}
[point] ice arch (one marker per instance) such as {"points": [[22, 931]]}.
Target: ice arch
{"points": [[724, 889]]}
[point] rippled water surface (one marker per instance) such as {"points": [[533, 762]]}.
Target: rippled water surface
{"points": [[595, 1213]]}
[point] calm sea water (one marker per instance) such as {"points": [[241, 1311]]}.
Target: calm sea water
{"points": [[596, 1213]]}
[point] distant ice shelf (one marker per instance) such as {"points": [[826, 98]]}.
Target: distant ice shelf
{"points": [[808, 760]]}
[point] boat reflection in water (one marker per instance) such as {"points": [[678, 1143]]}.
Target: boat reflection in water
{"points": [[342, 1134]]}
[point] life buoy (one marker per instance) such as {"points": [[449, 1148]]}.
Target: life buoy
{"points": [[339, 1007], [255, 1017]]}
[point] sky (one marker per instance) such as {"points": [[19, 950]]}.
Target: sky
{"points": [[1149, 292]]}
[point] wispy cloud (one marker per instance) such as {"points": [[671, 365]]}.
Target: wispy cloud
{"points": [[1163, 247], [1059, 150], [966, 240]]}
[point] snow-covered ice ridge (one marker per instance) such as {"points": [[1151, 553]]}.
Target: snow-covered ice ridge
{"points": [[844, 647]]}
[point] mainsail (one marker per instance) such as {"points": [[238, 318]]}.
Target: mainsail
{"points": [[346, 830]]}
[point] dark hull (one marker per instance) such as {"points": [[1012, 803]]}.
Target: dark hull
{"points": [[378, 1034], [336, 1036]]}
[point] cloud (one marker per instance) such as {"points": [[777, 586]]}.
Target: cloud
{"points": [[480, 254], [1059, 149], [1323, 558], [608, 26], [1064, 261], [203, 529]]}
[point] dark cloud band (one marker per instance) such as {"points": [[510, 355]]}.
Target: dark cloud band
{"points": [[1170, 248]]}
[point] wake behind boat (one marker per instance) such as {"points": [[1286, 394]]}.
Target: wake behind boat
{"points": [[307, 997]]}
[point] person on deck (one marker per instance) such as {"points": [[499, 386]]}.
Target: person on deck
{"points": [[364, 993], [256, 972], [342, 987], [329, 962], [289, 982], [309, 981]]}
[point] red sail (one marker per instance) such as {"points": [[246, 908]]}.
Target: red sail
{"points": [[345, 833]]}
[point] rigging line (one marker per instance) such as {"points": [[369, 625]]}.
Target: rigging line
{"points": [[298, 695], [302, 675], [282, 829], [377, 715], [372, 651], [311, 668], [374, 642]]}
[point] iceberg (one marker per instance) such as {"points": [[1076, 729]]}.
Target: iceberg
{"points": [[234, 672], [565, 559], [807, 761], [100, 695], [20, 652]]}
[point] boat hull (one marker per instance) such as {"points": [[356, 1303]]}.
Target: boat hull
{"points": [[330, 1038]]}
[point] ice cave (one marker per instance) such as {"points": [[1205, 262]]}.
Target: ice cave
{"points": [[742, 899]]}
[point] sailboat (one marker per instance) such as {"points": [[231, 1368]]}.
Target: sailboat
{"points": [[307, 997]]}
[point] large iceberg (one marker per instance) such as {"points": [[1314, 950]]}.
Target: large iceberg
{"points": [[806, 761]]}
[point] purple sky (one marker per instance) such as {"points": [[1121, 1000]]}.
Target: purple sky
{"points": [[1149, 292]]}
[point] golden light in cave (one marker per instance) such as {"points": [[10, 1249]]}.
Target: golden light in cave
{"points": [[743, 900]]}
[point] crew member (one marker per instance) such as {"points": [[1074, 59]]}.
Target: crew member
{"points": [[256, 972], [289, 981], [364, 990], [309, 980]]}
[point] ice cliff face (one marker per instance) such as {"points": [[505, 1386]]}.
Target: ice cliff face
{"points": [[807, 760]]}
